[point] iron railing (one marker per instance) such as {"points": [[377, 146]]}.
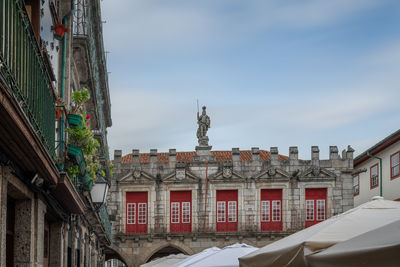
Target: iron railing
{"points": [[288, 222], [23, 68], [105, 220]]}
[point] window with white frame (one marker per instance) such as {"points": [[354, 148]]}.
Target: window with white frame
{"points": [[374, 176], [395, 165], [232, 211], [309, 210], [276, 210], [265, 211], [356, 185], [185, 212], [175, 212], [320, 209], [131, 213], [221, 211], [142, 213]]}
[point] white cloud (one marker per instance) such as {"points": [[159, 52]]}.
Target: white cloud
{"points": [[150, 26], [156, 118]]}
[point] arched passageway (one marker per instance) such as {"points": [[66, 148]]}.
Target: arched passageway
{"points": [[165, 251]]}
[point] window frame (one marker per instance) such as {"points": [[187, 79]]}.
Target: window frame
{"points": [[142, 218], [310, 219], [370, 176], [185, 218], [175, 212], [265, 211], [221, 205], [131, 213], [358, 178], [232, 211], [317, 206], [276, 205], [391, 166]]}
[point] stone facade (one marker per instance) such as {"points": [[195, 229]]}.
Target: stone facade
{"points": [[203, 173], [46, 218]]}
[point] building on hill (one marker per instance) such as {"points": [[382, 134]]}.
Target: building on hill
{"points": [[377, 171], [163, 203]]}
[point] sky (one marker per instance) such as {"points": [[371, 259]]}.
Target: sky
{"points": [[271, 73]]}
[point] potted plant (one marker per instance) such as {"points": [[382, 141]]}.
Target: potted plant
{"points": [[83, 147]]}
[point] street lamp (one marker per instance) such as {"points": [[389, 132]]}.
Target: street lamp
{"points": [[99, 191]]}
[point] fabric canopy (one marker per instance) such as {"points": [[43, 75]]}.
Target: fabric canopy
{"points": [[196, 257], [215, 257], [380, 247], [294, 249], [165, 261]]}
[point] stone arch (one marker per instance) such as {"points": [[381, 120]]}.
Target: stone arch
{"points": [[174, 244], [113, 252]]}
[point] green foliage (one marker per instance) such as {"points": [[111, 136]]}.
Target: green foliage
{"points": [[83, 137], [111, 169], [80, 98], [73, 171]]}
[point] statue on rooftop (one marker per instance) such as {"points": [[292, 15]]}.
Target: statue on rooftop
{"points": [[204, 123]]}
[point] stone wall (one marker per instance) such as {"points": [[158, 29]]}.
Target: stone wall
{"points": [[160, 173], [31, 211]]}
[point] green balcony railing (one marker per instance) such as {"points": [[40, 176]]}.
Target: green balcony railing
{"points": [[105, 220], [23, 68]]}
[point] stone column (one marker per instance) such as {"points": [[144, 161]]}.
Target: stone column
{"points": [[40, 211], [24, 233], [56, 244], [3, 217], [65, 242]]}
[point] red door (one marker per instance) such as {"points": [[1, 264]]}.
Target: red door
{"points": [[136, 212], [181, 211], [227, 215], [271, 210], [315, 205]]}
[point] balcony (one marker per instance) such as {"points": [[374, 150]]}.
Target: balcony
{"points": [[24, 70], [27, 98], [247, 225]]}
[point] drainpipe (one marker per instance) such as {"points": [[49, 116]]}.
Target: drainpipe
{"points": [[205, 200], [380, 170], [62, 89]]}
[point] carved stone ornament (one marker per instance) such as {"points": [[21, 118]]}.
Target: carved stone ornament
{"points": [[272, 172], [180, 173], [316, 171], [137, 174], [227, 173]]}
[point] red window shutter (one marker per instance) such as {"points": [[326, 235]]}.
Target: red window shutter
{"points": [[315, 205], [136, 212], [180, 211], [227, 211], [271, 209]]}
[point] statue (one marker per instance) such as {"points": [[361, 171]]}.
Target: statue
{"points": [[204, 123]]}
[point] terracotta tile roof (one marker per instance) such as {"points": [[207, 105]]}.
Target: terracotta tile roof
{"points": [[221, 156]]}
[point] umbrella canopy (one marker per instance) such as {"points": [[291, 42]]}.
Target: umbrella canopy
{"points": [[375, 248], [291, 251], [165, 261], [226, 257], [196, 257]]}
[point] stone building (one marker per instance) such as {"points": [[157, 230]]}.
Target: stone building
{"points": [[48, 49], [162, 203]]}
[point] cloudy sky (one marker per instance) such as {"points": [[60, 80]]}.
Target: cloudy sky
{"points": [[271, 73]]}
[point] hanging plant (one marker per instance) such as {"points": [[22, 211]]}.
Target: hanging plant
{"points": [[81, 136]]}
